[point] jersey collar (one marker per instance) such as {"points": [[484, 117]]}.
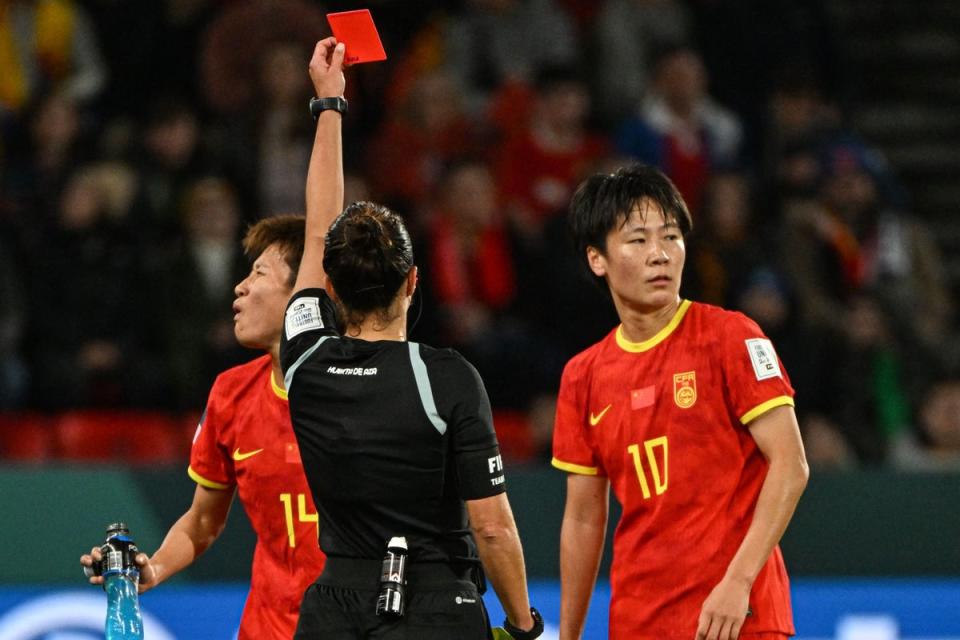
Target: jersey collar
{"points": [[277, 389], [663, 334]]}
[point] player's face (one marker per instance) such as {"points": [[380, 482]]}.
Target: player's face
{"points": [[261, 300], [643, 261]]}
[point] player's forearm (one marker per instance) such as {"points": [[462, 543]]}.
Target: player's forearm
{"points": [[186, 540], [779, 495], [324, 195], [502, 555], [581, 546]]}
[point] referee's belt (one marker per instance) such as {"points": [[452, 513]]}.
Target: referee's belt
{"points": [[363, 574]]}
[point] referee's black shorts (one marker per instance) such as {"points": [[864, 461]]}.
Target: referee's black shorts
{"points": [[441, 604]]}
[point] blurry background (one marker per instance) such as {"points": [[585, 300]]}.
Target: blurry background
{"points": [[817, 143]]}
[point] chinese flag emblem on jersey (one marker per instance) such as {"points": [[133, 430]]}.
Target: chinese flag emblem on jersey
{"points": [[291, 453], [642, 398], [685, 389]]}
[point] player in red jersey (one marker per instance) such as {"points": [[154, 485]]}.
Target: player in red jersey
{"points": [[245, 443], [686, 411]]}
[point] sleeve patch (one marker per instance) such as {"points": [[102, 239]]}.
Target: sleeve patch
{"points": [[763, 358], [303, 315]]}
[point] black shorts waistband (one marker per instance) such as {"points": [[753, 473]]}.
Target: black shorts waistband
{"points": [[364, 574]]}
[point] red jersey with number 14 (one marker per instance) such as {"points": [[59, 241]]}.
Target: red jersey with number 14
{"points": [[245, 440], [666, 421]]}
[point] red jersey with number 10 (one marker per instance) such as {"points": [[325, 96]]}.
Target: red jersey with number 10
{"points": [[665, 420], [245, 440]]}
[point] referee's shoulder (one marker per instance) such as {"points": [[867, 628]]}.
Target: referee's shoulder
{"points": [[445, 360]]}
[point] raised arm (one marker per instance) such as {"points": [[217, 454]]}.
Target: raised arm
{"points": [[324, 195]]}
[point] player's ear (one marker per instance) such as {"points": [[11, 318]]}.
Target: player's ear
{"points": [[328, 287], [411, 282], [597, 262]]}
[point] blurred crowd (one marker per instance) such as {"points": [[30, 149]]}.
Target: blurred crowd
{"points": [[138, 140]]}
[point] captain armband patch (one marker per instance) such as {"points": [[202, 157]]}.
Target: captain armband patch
{"points": [[763, 358], [303, 315]]}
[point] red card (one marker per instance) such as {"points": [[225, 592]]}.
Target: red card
{"points": [[355, 29]]}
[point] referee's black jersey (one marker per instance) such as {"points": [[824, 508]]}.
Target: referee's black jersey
{"points": [[393, 437]]}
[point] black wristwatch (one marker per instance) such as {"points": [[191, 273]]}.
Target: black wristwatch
{"points": [[520, 634], [319, 105]]}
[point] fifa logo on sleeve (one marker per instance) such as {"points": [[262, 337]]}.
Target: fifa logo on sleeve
{"points": [[495, 465]]}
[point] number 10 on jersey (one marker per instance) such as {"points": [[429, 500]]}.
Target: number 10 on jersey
{"points": [[651, 448]]}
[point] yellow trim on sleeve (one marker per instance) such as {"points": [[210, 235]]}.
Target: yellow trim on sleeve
{"points": [[760, 409], [574, 468], [663, 334], [277, 389], [203, 482]]}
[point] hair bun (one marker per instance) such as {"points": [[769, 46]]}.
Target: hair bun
{"points": [[364, 235]]}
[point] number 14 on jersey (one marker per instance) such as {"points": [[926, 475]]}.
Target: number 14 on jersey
{"points": [[302, 515]]}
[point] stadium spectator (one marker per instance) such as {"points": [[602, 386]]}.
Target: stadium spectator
{"points": [[728, 244], [245, 444], [867, 378], [470, 286], [680, 129], [49, 148], [47, 45], [851, 239], [265, 149], [428, 130], [199, 337], [239, 37], [166, 163], [498, 43], [935, 445], [91, 332], [627, 35], [695, 551], [538, 169]]}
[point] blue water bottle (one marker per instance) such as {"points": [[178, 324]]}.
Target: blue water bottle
{"points": [[121, 577]]}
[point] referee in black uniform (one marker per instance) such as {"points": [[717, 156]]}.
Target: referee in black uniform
{"points": [[396, 437]]}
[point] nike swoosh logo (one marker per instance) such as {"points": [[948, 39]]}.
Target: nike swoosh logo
{"points": [[595, 419], [243, 456]]}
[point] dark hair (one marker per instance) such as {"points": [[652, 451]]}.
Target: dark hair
{"points": [[551, 77], [286, 231], [604, 201], [367, 255]]}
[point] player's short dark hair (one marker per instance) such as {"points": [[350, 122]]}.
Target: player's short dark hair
{"points": [[603, 202], [285, 231], [367, 255]]}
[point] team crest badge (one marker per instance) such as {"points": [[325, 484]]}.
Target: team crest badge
{"points": [[685, 389]]}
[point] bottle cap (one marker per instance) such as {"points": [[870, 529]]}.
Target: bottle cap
{"points": [[397, 542]]}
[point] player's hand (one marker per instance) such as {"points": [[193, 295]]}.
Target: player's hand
{"points": [[148, 573], [724, 611], [326, 68]]}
